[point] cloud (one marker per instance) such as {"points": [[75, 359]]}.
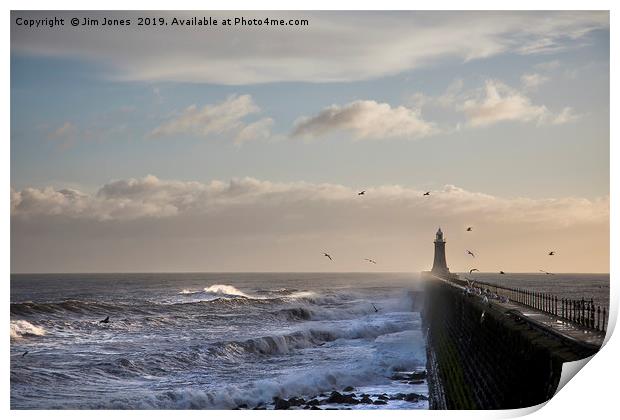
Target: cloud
{"points": [[227, 117], [151, 224], [65, 134], [532, 81], [498, 102], [547, 66], [331, 48], [151, 197], [365, 120], [566, 116]]}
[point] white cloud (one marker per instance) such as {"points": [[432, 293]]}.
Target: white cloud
{"points": [[151, 197], [566, 116], [150, 224], [532, 81], [499, 102], [366, 120], [331, 48], [227, 117]]}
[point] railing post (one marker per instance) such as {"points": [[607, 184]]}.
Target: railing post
{"points": [[562, 307], [592, 313], [583, 312], [604, 319], [555, 307], [598, 318]]}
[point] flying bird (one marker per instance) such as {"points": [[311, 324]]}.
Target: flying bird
{"points": [[469, 229], [472, 270], [328, 256], [105, 321], [546, 272], [551, 253], [376, 310], [427, 193], [370, 261], [361, 192], [471, 253], [501, 272]]}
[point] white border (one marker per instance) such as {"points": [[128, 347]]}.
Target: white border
{"points": [[591, 394]]}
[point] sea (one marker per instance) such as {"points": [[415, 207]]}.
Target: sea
{"points": [[214, 341], [230, 340]]}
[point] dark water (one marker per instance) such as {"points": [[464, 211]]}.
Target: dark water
{"points": [[209, 340]]}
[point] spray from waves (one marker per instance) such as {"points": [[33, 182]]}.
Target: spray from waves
{"points": [[224, 289], [21, 328], [217, 289], [306, 383], [311, 337]]}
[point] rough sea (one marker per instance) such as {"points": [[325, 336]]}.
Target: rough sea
{"points": [[214, 341], [224, 341]]}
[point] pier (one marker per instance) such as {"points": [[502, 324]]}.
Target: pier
{"points": [[494, 347]]}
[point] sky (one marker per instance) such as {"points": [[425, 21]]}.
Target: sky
{"points": [[243, 148]]}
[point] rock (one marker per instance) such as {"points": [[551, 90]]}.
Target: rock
{"points": [[281, 404], [380, 402], [383, 397], [337, 398], [420, 381], [349, 389], [313, 402], [412, 397], [296, 402], [417, 375], [366, 400], [242, 407], [315, 408]]}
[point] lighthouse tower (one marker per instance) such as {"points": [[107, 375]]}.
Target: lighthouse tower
{"points": [[439, 263]]}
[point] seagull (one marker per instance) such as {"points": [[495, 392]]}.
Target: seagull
{"points": [[25, 353], [370, 261], [361, 192], [551, 253], [376, 310], [427, 193], [546, 272], [471, 253], [501, 272], [472, 270], [105, 321], [469, 229], [328, 256]]}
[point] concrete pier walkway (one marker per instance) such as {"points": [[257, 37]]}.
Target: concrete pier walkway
{"points": [[541, 320]]}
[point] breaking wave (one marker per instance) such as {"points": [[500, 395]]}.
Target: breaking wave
{"points": [[21, 328]]}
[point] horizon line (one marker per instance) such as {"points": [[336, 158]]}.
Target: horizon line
{"points": [[293, 272]]}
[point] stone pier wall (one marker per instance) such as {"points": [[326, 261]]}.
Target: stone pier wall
{"points": [[491, 361]]}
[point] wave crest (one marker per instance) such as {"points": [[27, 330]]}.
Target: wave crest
{"points": [[21, 328]]}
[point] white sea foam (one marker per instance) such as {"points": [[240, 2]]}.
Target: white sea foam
{"points": [[224, 289], [21, 328], [359, 370]]}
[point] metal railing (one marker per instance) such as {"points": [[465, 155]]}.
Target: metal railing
{"points": [[580, 312]]}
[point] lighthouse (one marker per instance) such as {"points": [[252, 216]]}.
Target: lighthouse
{"points": [[439, 263]]}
